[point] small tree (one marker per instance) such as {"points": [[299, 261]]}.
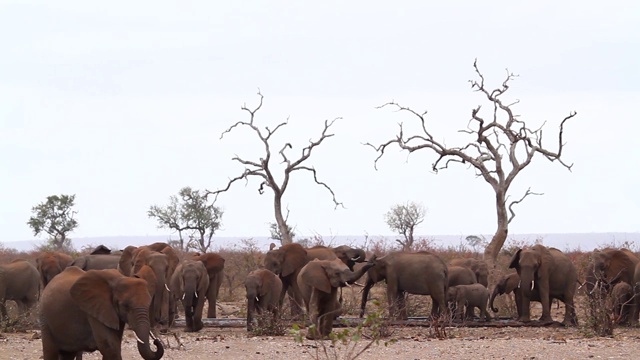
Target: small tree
{"points": [[404, 218], [189, 211], [475, 242], [55, 218], [499, 147], [264, 170]]}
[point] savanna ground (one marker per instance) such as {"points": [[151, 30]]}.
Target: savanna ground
{"points": [[19, 338]]}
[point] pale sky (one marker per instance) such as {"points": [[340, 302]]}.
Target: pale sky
{"points": [[123, 102]]}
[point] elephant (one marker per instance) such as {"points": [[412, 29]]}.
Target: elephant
{"points": [[420, 273], [96, 262], [20, 282], [348, 255], [469, 296], [622, 298], [286, 262], [461, 275], [189, 284], [635, 309], [214, 263], [263, 294], [479, 267], [163, 259], [319, 281], [50, 264], [84, 311], [101, 250], [552, 274], [608, 266], [510, 283]]}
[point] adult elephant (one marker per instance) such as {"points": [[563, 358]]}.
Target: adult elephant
{"points": [[609, 266], [552, 274], [460, 275], [263, 294], [319, 281], [286, 262], [189, 284], [20, 282], [348, 255], [635, 310], [96, 262], [420, 273], [510, 283], [479, 267], [87, 311], [50, 264], [159, 263], [214, 263]]}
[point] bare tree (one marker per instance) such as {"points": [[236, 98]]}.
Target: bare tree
{"points": [[263, 168], [404, 218], [55, 217], [499, 148]]}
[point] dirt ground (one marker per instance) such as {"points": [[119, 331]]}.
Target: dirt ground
{"points": [[412, 343]]}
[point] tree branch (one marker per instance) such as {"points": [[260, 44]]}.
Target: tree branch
{"points": [[527, 193]]}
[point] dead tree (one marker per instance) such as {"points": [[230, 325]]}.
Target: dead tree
{"points": [[263, 168], [500, 147]]}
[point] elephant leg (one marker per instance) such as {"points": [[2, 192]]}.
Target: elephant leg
{"points": [[314, 332], [49, 349], [518, 298], [197, 316], [546, 301], [212, 297], [3, 311], [570, 317]]}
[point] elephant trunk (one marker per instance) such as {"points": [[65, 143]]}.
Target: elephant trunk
{"points": [[142, 330], [353, 276], [496, 292], [526, 284], [251, 308], [188, 299], [365, 295]]}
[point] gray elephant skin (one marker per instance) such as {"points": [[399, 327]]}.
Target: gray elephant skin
{"points": [[20, 282], [460, 275], [479, 267], [87, 311], [214, 263], [420, 273], [466, 298], [50, 264], [189, 284], [319, 281], [263, 289], [552, 274]]}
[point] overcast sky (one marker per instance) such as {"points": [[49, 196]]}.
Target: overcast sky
{"points": [[123, 102]]}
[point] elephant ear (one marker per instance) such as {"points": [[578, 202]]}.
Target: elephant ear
{"points": [[515, 260], [93, 294], [204, 277], [295, 257], [146, 273], [315, 276], [174, 260]]}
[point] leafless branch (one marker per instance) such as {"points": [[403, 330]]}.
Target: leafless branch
{"points": [[527, 193]]}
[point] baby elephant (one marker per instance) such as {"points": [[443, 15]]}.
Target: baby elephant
{"points": [[471, 296], [263, 294], [622, 296]]}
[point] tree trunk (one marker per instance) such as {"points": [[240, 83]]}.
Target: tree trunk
{"points": [[493, 249], [282, 224]]}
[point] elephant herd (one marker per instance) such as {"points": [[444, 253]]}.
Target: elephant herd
{"points": [[86, 302]]}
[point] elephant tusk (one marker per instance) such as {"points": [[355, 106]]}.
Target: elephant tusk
{"points": [[137, 338], [355, 258], [196, 294], [183, 295], [519, 283], [152, 335], [347, 284], [166, 287], [258, 300], [533, 283]]}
